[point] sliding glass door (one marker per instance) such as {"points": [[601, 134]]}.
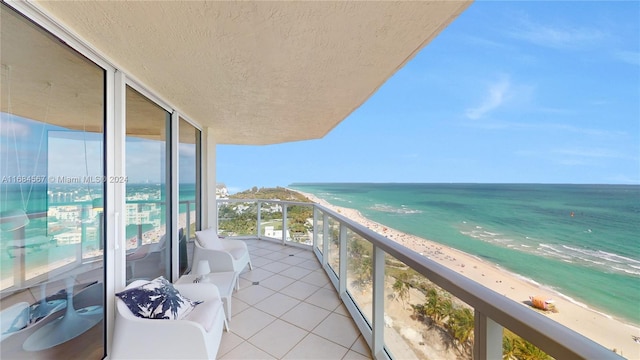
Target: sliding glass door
{"points": [[52, 191], [188, 188], [148, 233]]}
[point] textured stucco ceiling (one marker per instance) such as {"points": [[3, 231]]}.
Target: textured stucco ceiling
{"points": [[259, 72]]}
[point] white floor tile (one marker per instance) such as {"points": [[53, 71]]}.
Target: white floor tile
{"points": [[253, 294], [352, 355], [249, 322], [306, 316], [325, 299], [300, 290], [229, 342], [315, 347], [277, 282], [257, 274], [277, 304], [360, 346], [276, 267], [246, 351], [278, 338], [295, 272], [339, 329], [318, 278]]}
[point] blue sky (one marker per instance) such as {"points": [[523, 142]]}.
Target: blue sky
{"points": [[510, 92]]}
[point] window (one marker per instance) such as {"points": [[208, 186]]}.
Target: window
{"points": [[51, 196], [148, 212], [188, 188]]}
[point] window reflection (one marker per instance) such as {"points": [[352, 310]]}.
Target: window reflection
{"points": [[188, 189], [147, 211], [51, 196]]}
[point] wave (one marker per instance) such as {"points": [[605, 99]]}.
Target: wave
{"points": [[582, 305], [560, 294], [603, 260], [627, 271], [403, 209]]}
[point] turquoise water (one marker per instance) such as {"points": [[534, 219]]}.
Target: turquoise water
{"points": [[39, 198], [580, 240]]}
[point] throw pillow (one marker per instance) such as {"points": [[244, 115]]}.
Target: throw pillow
{"points": [[157, 299], [209, 239]]}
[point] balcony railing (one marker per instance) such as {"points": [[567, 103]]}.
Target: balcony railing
{"points": [[374, 275]]}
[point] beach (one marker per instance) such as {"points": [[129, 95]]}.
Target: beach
{"points": [[596, 325]]}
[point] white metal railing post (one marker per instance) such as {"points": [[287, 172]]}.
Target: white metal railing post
{"points": [[314, 242], [218, 216], [325, 243], [284, 223], [487, 338], [342, 277], [258, 218], [378, 303]]}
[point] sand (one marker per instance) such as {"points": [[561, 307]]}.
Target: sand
{"points": [[606, 330]]}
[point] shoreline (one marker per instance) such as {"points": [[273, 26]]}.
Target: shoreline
{"points": [[610, 332]]}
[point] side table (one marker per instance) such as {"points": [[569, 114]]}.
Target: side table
{"points": [[224, 281]]}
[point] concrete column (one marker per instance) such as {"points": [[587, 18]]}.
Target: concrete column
{"points": [[208, 179]]}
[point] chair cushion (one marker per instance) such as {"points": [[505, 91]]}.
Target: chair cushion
{"points": [[209, 239], [157, 299], [205, 314]]}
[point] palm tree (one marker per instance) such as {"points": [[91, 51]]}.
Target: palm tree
{"points": [[445, 309], [432, 304], [528, 351], [401, 289], [510, 346], [419, 311], [461, 324]]}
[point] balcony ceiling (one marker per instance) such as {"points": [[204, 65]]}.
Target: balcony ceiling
{"points": [[258, 72]]}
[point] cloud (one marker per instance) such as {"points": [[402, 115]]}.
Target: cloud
{"points": [[10, 128], [558, 37], [584, 156], [555, 127], [188, 150], [496, 95], [629, 57], [483, 42]]}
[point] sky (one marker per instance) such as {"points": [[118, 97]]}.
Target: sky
{"points": [[510, 92]]}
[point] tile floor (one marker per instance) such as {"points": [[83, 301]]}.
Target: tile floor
{"points": [[286, 308]]}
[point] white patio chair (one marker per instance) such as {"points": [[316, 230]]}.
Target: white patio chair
{"points": [[196, 336], [222, 254]]}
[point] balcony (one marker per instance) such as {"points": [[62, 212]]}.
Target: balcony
{"points": [[287, 308], [340, 268]]}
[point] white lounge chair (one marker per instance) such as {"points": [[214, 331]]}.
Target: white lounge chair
{"points": [[222, 254], [196, 336]]}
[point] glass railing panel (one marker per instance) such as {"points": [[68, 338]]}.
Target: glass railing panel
{"points": [[359, 273], [515, 347], [300, 224], [319, 226], [271, 220], [333, 238], [147, 247], [237, 218], [421, 319], [187, 226]]}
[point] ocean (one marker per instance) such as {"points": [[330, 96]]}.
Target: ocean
{"points": [[74, 203], [582, 241]]}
